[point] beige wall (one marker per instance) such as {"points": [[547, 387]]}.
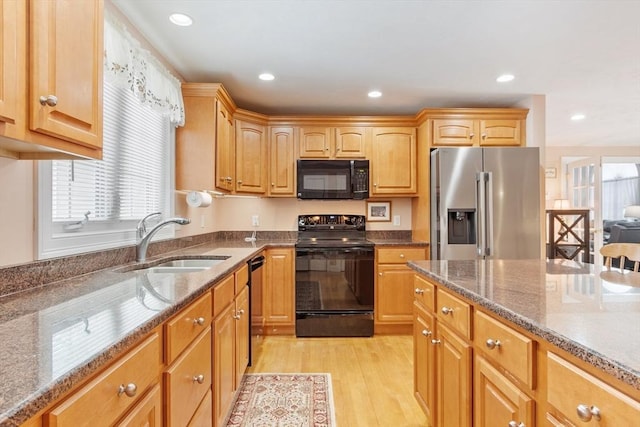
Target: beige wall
{"points": [[16, 211]]}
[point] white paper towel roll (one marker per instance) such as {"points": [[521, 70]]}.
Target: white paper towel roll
{"points": [[198, 199]]}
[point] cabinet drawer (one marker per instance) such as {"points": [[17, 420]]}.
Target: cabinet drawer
{"points": [[223, 294], [399, 255], [188, 381], [569, 386], [510, 349], [424, 292], [454, 312], [101, 399], [241, 279], [183, 328]]}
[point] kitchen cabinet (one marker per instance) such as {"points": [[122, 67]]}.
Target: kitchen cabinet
{"points": [[579, 397], [51, 90], [282, 164], [279, 291], [230, 340], [115, 391], [333, 143], [394, 288], [484, 128], [393, 161], [251, 158], [424, 359], [205, 156]]}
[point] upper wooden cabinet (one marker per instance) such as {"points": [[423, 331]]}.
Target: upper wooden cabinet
{"points": [[479, 127], [205, 149], [251, 158], [393, 161], [282, 165], [330, 143], [55, 111]]}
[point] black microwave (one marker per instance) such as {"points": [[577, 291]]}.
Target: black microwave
{"points": [[333, 179]]}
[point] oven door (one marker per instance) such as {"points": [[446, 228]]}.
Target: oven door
{"points": [[334, 280]]}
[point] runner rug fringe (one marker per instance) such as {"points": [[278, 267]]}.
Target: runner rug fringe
{"points": [[283, 400]]}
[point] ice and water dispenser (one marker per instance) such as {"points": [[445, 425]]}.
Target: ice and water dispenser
{"points": [[461, 228]]}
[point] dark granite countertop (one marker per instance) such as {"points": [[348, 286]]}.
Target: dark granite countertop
{"points": [[397, 242], [56, 335], [590, 313]]}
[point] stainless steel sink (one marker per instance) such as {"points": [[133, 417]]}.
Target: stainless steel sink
{"points": [[179, 265]]}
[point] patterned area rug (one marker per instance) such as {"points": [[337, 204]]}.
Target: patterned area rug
{"points": [[283, 400]]}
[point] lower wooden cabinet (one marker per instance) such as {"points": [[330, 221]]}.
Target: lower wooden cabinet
{"points": [[279, 291], [424, 361], [498, 401], [223, 363], [115, 391]]}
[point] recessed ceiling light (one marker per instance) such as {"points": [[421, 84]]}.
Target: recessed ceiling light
{"points": [[577, 117], [180, 19], [266, 76], [505, 78], [374, 94]]}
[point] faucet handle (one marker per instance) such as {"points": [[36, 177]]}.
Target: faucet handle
{"points": [[141, 228]]}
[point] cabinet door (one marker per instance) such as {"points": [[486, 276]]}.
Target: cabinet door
{"points": [[351, 142], [497, 401], [223, 363], [315, 143], [282, 165], [278, 303], [12, 52], [393, 165], [394, 294], [454, 379], [66, 69], [224, 148], [251, 158], [500, 133], [454, 132], [242, 317], [424, 361]]}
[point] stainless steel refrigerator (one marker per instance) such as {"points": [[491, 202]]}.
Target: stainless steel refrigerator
{"points": [[485, 203]]}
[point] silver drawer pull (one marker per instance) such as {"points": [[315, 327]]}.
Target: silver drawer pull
{"points": [[130, 389], [419, 291], [198, 379], [198, 321], [585, 412], [491, 344], [515, 424], [447, 310], [49, 100], [426, 332], [434, 342]]}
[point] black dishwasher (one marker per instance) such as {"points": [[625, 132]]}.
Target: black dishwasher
{"points": [[256, 328]]}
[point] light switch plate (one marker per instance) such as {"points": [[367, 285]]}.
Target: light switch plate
{"points": [[396, 220], [255, 220]]}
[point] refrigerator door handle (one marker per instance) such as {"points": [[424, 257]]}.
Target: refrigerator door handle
{"points": [[488, 209], [481, 244]]}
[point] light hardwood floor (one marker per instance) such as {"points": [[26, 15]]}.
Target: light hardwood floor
{"points": [[372, 378]]}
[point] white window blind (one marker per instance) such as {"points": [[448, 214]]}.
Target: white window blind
{"points": [[132, 180]]}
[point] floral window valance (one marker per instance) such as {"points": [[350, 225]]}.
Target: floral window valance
{"points": [[128, 65]]}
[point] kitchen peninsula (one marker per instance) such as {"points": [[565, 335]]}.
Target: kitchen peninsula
{"points": [[528, 342]]}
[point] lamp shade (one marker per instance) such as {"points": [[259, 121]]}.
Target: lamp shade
{"points": [[632, 212], [561, 204]]}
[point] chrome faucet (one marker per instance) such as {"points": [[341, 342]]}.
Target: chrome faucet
{"points": [[143, 238]]}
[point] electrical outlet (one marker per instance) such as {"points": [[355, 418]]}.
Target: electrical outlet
{"points": [[202, 222], [255, 220], [396, 220]]}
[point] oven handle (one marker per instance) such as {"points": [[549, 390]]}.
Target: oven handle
{"points": [[334, 249]]}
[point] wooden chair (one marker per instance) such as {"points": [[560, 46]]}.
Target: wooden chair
{"points": [[622, 251]]}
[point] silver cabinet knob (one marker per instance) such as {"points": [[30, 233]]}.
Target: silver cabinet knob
{"points": [[484, 136], [273, 184], [435, 342], [426, 332], [447, 310], [198, 379], [586, 413], [236, 316], [198, 321], [380, 274], [419, 291], [471, 135], [491, 344], [239, 182], [49, 100], [375, 185], [515, 424], [129, 389], [229, 179]]}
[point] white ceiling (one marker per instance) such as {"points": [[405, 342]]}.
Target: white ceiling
{"points": [[583, 55]]}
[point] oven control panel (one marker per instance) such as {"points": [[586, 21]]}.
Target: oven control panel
{"points": [[326, 221]]}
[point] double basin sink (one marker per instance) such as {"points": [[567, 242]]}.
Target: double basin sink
{"points": [[180, 265]]}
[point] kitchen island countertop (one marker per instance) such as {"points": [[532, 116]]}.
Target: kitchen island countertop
{"points": [[579, 308]]}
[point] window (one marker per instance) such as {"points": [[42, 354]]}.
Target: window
{"points": [[133, 179]]}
